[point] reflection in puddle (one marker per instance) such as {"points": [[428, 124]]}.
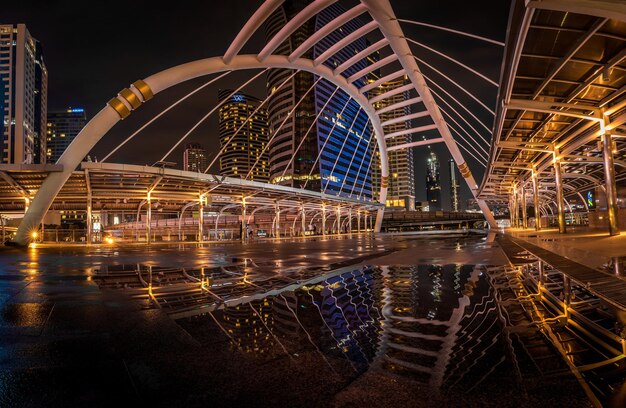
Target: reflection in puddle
{"points": [[436, 325]]}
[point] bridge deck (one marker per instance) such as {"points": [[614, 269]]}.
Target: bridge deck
{"points": [[607, 287]]}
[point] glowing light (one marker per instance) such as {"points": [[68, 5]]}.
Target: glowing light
{"points": [[109, 240], [34, 235]]}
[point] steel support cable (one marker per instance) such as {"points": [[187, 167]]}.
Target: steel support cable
{"points": [[482, 160], [421, 61], [205, 117], [482, 155], [325, 142], [281, 126], [463, 33], [458, 103], [480, 138], [223, 148], [352, 159], [459, 63], [358, 174], [463, 129], [201, 87], [343, 145], [368, 172], [308, 131]]}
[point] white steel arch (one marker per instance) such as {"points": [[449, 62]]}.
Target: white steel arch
{"points": [[131, 98], [383, 19]]}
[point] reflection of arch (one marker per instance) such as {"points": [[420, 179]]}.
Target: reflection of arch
{"points": [[141, 91]]}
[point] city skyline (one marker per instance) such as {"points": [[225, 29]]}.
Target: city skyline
{"points": [[58, 43]]}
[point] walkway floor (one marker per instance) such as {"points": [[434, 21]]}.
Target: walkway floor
{"points": [[64, 342], [592, 248]]}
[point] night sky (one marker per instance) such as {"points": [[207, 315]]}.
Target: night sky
{"points": [[94, 49]]}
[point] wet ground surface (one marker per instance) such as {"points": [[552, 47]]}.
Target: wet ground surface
{"points": [[376, 337]]}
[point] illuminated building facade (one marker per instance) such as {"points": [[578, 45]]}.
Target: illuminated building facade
{"points": [[62, 128], [243, 137], [433, 183], [454, 186], [401, 185], [195, 158], [342, 132], [24, 87]]}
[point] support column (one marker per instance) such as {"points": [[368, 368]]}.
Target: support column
{"points": [[609, 177], [338, 220], [149, 220], [303, 221], [524, 218], [88, 237], [244, 225], [277, 226], [323, 220], [201, 218], [536, 202], [560, 201], [515, 218], [350, 221], [358, 221]]}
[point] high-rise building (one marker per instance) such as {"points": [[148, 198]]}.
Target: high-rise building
{"points": [[62, 128], [401, 185], [342, 131], [195, 158], [23, 86], [454, 186], [433, 183], [244, 136]]}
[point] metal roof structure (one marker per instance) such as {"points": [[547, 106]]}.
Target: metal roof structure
{"points": [[123, 187], [563, 86]]}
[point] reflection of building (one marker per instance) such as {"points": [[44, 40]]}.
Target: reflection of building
{"points": [[248, 330], [63, 126], [401, 185], [433, 183], [341, 134], [195, 158], [438, 324], [24, 87], [454, 186], [243, 136]]}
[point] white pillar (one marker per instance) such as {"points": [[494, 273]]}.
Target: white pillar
{"points": [[149, 220], [201, 218]]}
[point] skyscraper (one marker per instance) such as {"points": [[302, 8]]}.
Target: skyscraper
{"points": [[243, 136], [454, 186], [195, 158], [23, 86], [342, 131], [62, 128], [433, 184], [401, 190]]}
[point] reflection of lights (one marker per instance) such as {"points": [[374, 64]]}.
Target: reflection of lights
{"points": [[109, 240]]}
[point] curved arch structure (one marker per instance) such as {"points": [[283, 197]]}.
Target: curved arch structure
{"points": [[382, 18]]}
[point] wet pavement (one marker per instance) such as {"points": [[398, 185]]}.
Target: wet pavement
{"points": [[422, 332]]}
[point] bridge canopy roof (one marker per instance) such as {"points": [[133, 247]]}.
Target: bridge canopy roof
{"points": [[563, 70], [118, 187]]}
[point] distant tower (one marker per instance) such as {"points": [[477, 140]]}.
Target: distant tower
{"points": [[342, 168], [401, 189], [23, 101], [433, 184], [63, 126], [454, 186], [195, 158], [245, 137]]}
